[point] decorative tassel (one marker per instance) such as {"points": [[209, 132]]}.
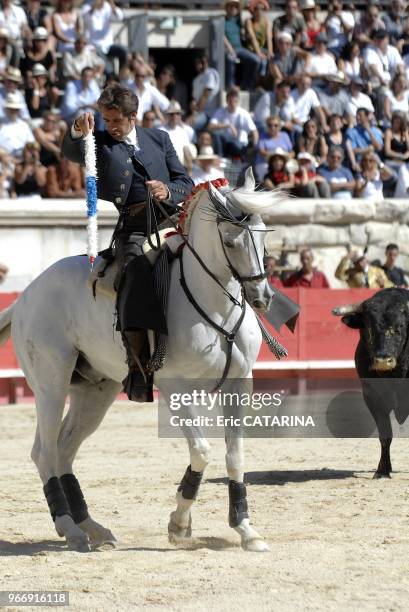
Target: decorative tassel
{"points": [[91, 190], [278, 350]]}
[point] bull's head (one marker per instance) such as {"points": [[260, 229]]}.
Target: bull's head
{"points": [[383, 324]]}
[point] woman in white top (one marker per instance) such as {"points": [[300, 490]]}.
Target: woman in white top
{"points": [[370, 182], [350, 61], [397, 98], [66, 25]]}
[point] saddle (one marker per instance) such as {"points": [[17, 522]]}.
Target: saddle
{"points": [[102, 277]]}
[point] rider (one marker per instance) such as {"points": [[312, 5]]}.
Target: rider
{"points": [[130, 162]]}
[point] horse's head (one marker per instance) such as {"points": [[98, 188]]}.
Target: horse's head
{"points": [[242, 234]]}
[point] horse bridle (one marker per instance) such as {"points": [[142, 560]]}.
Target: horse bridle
{"points": [[230, 336]]}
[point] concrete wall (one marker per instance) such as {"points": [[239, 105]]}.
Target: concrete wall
{"points": [[35, 234]]}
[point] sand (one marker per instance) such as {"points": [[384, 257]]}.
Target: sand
{"points": [[339, 540]]}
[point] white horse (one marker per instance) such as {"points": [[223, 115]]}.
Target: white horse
{"points": [[66, 346]]}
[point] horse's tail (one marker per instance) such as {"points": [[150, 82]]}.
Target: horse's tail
{"points": [[5, 324]]}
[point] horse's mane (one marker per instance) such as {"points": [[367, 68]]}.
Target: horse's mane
{"points": [[247, 200]]}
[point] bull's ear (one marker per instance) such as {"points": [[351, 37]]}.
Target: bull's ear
{"points": [[354, 320]]}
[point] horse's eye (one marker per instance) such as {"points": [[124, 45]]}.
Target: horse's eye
{"points": [[229, 243]]}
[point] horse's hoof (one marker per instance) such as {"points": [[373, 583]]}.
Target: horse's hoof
{"points": [[179, 534], [79, 543], [255, 545], [378, 475], [105, 545]]}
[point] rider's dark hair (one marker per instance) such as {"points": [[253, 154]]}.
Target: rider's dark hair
{"points": [[120, 98]]}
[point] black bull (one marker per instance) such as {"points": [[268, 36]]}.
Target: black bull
{"points": [[382, 361]]}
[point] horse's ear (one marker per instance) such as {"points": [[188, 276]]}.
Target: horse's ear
{"points": [[216, 194], [249, 180]]}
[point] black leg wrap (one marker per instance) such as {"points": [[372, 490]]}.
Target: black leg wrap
{"points": [[56, 500], [75, 498], [237, 503], [190, 484]]}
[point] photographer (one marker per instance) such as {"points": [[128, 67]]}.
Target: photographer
{"points": [[30, 174]]}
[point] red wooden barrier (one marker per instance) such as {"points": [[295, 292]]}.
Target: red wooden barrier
{"points": [[319, 337]]}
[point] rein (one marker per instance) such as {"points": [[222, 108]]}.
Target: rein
{"points": [[230, 336]]}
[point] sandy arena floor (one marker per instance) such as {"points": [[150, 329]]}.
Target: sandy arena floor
{"points": [[339, 540]]}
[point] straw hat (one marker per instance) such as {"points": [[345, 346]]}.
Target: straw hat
{"points": [[39, 70], [40, 33], [279, 152], [12, 74], [13, 101], [207, 153], [173, 108]]}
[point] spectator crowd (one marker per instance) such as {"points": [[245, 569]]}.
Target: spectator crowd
{"points": [[317, 102]]}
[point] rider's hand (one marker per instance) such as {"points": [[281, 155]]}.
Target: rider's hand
{"points": [[84, 123], [158, 189]]}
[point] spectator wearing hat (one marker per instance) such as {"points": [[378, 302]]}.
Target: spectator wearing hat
{"points": [[82, 56], [178, 134], [288, 61], [259, 34], [39, 53], [307, 183], [312, 141], [98, 17], [232, 127], [205, 87], [8, 52], [363, 138], [306, 102], [150, 98], [66, 25], [40, 95], [355, 270], [15, 132], [275, 103], [29, 173], [270, 140], [334, 97], [236, 52], [207, 166], [396, 137], [338, 177], [373, 175], [394, 20], [322, 62], [292, 21], [339, 26], [11, 81], [369, 22], [277, 172], [382, 60], [312, 24], [308, 277], [80, 96], [358, 99]]}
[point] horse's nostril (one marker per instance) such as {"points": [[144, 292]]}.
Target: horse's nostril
{"points": [[258, 304]]}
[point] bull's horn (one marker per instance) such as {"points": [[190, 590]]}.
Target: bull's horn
{"points": [[339, 311]]}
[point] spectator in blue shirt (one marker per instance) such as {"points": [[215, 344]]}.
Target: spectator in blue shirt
{"points": [[80, 96], [235, 52], [274, 138], [339, 178], [363, 138]]}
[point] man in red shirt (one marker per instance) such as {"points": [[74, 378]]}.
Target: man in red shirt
{"points": [[308, 276], [270, 268]]}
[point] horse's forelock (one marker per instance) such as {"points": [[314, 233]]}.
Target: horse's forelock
{"points": [[256, 202]]}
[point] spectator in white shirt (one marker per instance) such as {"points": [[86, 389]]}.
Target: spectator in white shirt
{"points": [[275, 103], [98, 18], [322, 62], [178, 135], [12, 79], [15, 133], [207, 166], [205, 87], [14, 19], [396, 98], [80, 96], [149, 96], [357, 99], [82, 57], [338, 25], [382, 60], [306, 101], [231, 127]]}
